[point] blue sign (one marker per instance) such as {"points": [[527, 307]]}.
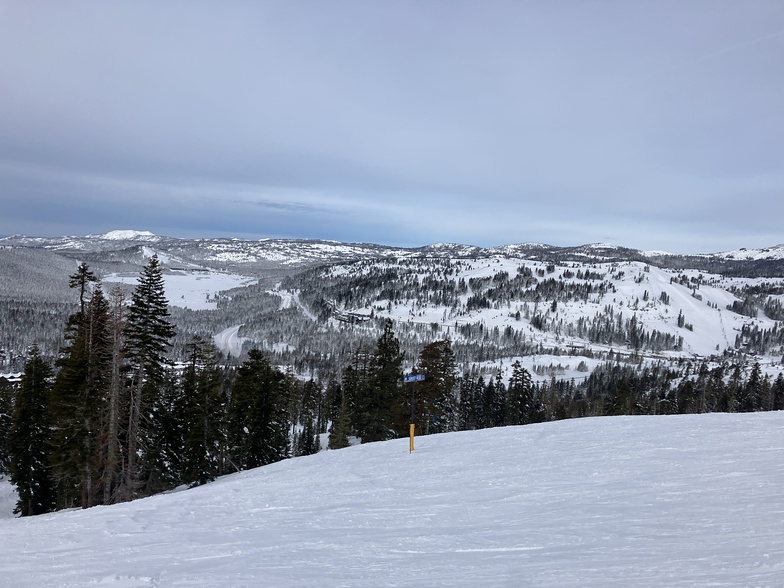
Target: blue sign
{"points": [[414, 378]]}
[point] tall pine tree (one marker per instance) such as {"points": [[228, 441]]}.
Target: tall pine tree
{"points": [[78, 397], [437, 402], [519, 396], [203, 415], [383, 399], [28, 440], [147, 339], [258, 427]]}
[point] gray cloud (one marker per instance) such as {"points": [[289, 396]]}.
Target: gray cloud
{"points": [[654, 124]]}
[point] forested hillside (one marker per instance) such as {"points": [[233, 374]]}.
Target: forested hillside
{"points": [[145, 367]]}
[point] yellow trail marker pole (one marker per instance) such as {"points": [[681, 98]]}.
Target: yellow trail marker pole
{"points": [[412, 379]]}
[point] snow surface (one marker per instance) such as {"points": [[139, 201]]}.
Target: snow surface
{"points": [[193, 290], [775, 252], [605, 502], [124, 235]]}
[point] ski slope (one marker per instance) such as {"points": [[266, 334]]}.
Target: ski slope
{"points": [[606, 502]]}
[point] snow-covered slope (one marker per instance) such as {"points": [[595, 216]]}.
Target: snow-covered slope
{"points": [[623, 501], [776, 252], [128, 235]]}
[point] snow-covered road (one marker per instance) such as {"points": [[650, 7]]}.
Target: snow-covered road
{"points": [[229, 341]]}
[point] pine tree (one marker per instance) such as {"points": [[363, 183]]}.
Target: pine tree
{"points": [[491, 400], [749, 393], [147, 336], [778, 393], [308, 439], [258, 426], [82, 279], [341, 423], [519, 396], [116, 405], [203, 415], [337, 414], [166, 436], [499, 400], [78, 397], [28, 440], [356, 385], [383, 396], [620, 399], [436, 394], [467, 404], [6, 417]]}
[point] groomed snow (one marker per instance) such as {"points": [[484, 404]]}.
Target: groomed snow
{"points": [[604, 502]]}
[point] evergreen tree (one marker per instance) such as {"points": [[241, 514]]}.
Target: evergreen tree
{"points": [[483, 403], [310, 408], [778, 393], [82, 279], [341, 422], [6, 418], [384, 398], [203, 415], [499, 400], [733, 391], [519, 396], [436, 400], [468, 405], [165, 454], [307, 440], [752, 398], [620, 400], [78, 397], [258, 414], [147, 336], [356, 384], [116, 406], [748, 393], [28, 440]]}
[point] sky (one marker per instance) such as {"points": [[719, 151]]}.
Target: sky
{"points": [[652, 124]]}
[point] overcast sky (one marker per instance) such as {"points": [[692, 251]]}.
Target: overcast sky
{"points": [[655, 125]]}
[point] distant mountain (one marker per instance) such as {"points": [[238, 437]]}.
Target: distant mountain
{"points": [[259, 256]]}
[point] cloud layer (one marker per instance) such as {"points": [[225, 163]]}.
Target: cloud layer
{"points": [[649, 124]]}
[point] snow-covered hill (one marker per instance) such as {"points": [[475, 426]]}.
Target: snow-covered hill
{"points": [[521, 307], [770, 253], [625, 501], [507, 302]]}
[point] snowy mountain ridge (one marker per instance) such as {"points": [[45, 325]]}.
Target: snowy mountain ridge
{"points": [[775, 252], [128, 235], [266, 253]]}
